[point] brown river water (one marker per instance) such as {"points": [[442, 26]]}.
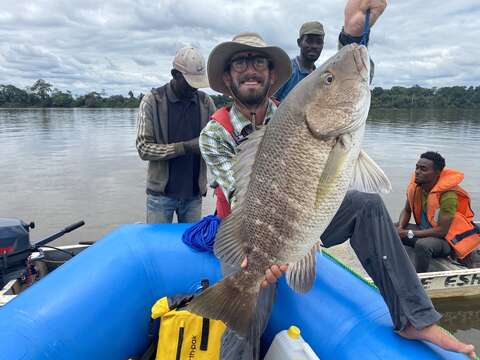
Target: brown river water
{"points": [[58, 166]]}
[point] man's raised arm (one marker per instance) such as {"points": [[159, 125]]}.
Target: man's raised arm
{"points": [[355, 12]]}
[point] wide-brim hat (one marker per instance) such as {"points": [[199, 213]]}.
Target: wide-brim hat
{"points": [[247, 41]]}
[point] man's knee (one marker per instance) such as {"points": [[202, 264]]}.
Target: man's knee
{"points": [[365, 200], [423, 247]]}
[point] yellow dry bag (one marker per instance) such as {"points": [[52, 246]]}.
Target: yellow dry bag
{"points": [[184, 335]]}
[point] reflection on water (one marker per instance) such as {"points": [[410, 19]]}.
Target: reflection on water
{"points": [[58, 166], [462, 318]]}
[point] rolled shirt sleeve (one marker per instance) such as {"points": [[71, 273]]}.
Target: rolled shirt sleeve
{"points": [[218, 150], [147, 147]]}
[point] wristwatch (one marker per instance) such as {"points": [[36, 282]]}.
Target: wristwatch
{"points": [[410, 234]]}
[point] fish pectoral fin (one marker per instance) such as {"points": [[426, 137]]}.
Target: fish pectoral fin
{"points": [[369, 177], [229, 244], [333, 166], [301, 275]]}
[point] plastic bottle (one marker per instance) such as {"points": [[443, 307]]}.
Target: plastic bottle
{"points": [[289, 345]]}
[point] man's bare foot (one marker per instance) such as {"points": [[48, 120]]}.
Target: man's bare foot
{"points": [[438, 336]]}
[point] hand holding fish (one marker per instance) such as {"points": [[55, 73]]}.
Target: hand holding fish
{"points": [[355, 11], [271, 275]]}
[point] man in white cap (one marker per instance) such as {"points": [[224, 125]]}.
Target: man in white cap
{"points": [[250, 71], [169, 122]]}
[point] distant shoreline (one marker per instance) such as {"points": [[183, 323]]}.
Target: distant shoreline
{"points": [[43, 95]]}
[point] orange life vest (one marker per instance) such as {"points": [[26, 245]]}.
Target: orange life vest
{"points": [[463, 235], [222, 116]]}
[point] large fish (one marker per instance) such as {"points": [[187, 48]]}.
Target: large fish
{"points": [[291, 177]]}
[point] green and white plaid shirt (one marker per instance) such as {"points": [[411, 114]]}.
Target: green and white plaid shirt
{"points": [[218, 147]]}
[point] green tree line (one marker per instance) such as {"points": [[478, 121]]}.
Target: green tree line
{"points": [[418, 97], [43, 94]]}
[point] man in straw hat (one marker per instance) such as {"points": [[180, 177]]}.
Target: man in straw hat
{"points": [[250, 71], [170, 119]]}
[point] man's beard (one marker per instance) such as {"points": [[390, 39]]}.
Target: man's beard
{"points": [[251, 97]]}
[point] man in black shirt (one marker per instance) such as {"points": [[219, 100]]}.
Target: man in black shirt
{"points": [[170, 119]]}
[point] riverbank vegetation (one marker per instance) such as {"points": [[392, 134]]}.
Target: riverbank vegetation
{"points": [[44, 94]]}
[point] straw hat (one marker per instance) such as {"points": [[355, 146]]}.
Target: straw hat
{"points": [[246, 41]]}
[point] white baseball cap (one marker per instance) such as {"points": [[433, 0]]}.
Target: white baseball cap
{"points": [[191, 64]]}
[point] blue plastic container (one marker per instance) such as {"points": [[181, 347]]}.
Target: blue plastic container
{"points": [[97, 306]]}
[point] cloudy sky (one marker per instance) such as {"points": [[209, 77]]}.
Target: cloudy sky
{"points": [[120, 45]]}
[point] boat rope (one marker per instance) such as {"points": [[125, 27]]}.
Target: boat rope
{"points": [[201, 235], [366, 29]]}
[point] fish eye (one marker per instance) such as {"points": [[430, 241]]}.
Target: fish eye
{"points": [[329, 79]]}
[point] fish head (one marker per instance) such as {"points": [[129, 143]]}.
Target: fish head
{"points": [[335, 98]]}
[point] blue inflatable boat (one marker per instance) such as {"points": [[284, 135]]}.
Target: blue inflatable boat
{"points": [[97, 306]]}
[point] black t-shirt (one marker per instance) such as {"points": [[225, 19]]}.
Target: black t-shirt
{"points": [[183, 125]]}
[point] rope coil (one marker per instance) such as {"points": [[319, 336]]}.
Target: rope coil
{"points": [[201, 236]]}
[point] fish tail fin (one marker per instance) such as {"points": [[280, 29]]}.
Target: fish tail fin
{"points": [[232, 300]]}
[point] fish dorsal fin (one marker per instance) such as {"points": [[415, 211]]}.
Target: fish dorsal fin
{"points": [[230, 241], [301, 275], [369, 177]]}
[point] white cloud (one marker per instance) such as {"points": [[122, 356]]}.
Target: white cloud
{"points": [[122, 45]]}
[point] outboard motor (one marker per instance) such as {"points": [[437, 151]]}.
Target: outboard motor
{"points": [[15, 246]]}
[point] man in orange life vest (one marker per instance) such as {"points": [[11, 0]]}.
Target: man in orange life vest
{"points": [[250, 71], [442, 213]]}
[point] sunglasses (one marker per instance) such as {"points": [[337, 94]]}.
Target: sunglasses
{"points": [[258, 62]]}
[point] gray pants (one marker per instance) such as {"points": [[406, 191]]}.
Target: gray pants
{"points": [[426, 248], [364, 219]]}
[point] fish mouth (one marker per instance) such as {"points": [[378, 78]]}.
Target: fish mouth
{"points": [[362, 61]]}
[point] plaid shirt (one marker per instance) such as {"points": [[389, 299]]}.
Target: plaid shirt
{"points": [[218, 147]]}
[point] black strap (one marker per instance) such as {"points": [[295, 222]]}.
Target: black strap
{"points": [[204, 284], [150, 353], [465, 234], [181, 303], [205, 333], [179, 343]]}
